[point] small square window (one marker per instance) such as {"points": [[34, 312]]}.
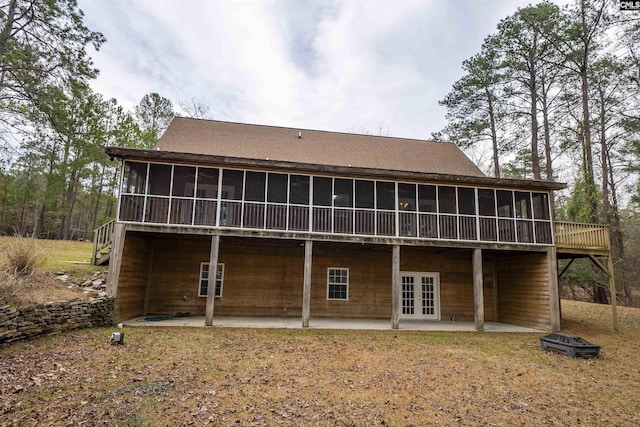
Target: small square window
{"points": [[203, 283], [338, 283]]}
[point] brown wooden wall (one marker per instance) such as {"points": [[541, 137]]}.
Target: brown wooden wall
{"points": [[132, 279], [523, 290], [264, 278], [456, 279]]}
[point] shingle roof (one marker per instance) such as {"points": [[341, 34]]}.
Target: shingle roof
{"points": [[260, 142]]}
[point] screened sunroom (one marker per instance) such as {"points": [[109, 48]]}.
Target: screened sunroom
{"points": [[234, 198]]}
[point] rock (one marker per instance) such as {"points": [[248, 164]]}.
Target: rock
{"points": [[97, 283], [63, 278]]}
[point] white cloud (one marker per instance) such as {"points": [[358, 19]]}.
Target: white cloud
{"points": [[333, 65]]}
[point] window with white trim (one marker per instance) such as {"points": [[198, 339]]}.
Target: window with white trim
{"points": [[338, 283], [203, 284]]}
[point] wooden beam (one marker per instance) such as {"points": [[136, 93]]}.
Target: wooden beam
{"points": [[554, 293], [327, 237], [614, 294], [598, 264], [147, 286], [566, 267], [213, 270], [396, 288], [115, 261], [496, 311], [478, 297], [306, 287], [323, 169]]}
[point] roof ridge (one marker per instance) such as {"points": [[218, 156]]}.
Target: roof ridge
{"points": [[312, 130]]}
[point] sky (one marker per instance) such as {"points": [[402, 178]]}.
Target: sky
{"points": [[364, 66]]}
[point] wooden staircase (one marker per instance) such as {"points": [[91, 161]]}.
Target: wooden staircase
{"points": [[102, 240]]}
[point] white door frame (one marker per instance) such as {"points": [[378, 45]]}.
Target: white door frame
{"points": [[417, 295]]}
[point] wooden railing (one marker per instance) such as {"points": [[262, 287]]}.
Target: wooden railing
{"points": [[571, 235], [102, 239]]}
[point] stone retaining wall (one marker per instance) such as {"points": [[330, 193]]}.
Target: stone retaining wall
{"points": [[17, 324]]}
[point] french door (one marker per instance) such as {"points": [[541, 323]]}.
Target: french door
{"points": [[420, 295]]}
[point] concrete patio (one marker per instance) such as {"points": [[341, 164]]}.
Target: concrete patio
{"points": [[322, 323]]}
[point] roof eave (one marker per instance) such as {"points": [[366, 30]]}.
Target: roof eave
{"points": [[203, 159]]}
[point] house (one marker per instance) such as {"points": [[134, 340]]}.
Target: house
{"points": [[231, 219]]}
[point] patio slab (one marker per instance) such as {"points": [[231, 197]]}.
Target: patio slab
{"points": [[322, 323]]}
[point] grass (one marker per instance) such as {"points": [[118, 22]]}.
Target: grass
{"points": [[57, 255], [227, 376], [54, 257]]}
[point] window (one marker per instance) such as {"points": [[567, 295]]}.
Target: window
{"points": [[299, 190], [338, 283], [203, 284], [486, 202], [232, 181], [523, 205], [134, 177], [343, 193], [447, 199], [505, 203], [540, 205], [277, 188], [427, 198], [406, 197], [466, 201], [183, 181], [159, 179], [254, 186], [322, 191], [364, 194], [386, 195]]}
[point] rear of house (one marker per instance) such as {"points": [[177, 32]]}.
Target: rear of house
{"points": [[322, 224]]}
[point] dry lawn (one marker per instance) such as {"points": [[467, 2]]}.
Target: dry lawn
{"points": [[212, 376], [53, 257]]}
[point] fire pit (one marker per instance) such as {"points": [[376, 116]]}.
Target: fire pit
{"points": [[569, 345]]}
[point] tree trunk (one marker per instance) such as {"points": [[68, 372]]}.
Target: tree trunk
{"points": [[617, 241], [599, 294], [533, 89], [547, 136], [70, 204], [590, 185], [604, 154], [494, 135], [8, 25], [96, 206]]}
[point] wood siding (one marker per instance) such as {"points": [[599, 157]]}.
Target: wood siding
{"points": [[456, 279], [132, 281], [264, 277], [523, 290]]}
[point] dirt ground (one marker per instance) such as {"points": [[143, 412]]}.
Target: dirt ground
{"points": [[246, 377]]}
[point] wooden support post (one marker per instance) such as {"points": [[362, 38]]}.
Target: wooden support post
{"points": [[115, 261], [614, 294], [306, 286], [478, 297], [396, 288], [213, 270], [147, 286], [96, 239], [554, 293]]}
